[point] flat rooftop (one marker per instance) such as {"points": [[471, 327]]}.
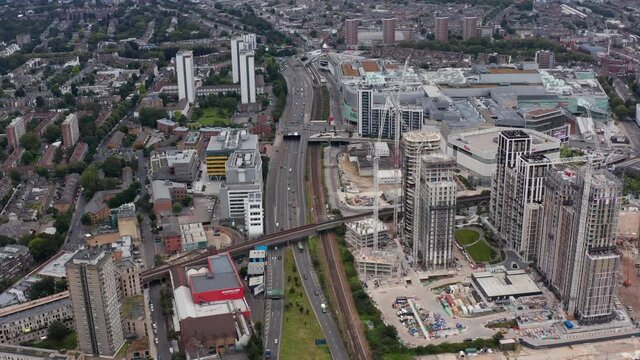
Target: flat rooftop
{"points": [[370, 66], [504, 284], [193, 233], [243, 159], [222, 275], [349, 71], [185, 307], [230, 140], [504, 70], [485, 141], [55, 267]]}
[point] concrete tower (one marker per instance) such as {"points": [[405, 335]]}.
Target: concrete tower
{"points": [[186, 78], [351, 32], [247, 77], [415, 144], [93, 288], [388, 31], [469, 27], [436, 210], [442, 29]]}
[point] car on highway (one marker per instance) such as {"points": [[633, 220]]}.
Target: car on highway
{"points": [[155, 340], [275, 341]]}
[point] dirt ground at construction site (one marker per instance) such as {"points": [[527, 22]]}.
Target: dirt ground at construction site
{"points": [[629, 294], [362, 183]]}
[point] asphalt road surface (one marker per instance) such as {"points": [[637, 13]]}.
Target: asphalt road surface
{"points": [[285, 209]]}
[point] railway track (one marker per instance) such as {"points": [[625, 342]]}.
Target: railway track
{"points": [[355, 337]]}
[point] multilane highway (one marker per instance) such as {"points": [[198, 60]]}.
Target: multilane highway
{"points": [[284, 198]]}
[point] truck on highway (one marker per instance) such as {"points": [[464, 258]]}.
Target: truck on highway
{"points": [[323, 307]]}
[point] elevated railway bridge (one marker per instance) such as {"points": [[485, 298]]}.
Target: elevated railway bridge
{"points": [[295, 234]]}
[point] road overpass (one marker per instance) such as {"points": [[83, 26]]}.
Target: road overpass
{"points": [[302, 232]]}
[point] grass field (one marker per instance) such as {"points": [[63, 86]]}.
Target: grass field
{"points": [[214, 117], [466, 236], [481, 252], [70, 342], [301, 328]]}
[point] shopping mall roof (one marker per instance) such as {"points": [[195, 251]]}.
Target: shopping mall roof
{"points": [[484, 142], [349, 71], [370, 66]]}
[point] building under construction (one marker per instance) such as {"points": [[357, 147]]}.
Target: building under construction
{"points": [[414, 145], [360, 233], [436, 211], [376, 264]]}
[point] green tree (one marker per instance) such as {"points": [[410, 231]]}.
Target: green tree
{"points": [[86, 220], [177, 208], [30, 141], [41, 288], [158, 260], [148, 116], [52, 133], [28, 157], [63, 221], [112, 166], [187, 201], [91, 180], [42, 249], [621, 111], [57, 331], [15, 176]]}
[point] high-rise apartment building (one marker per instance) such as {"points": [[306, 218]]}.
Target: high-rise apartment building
{"points": [[442, 29], [93, 288], [511, 144], [577, 254], [545, 59], [70, 131], [15, 130], [238, 44], [436, 209], [370, 117], [518, 191], [469, 27], [247, 77], [415, 144], [351, 32], [525, 192], [388, 31], [186, 77]]}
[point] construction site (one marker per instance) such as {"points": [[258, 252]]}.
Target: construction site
{"points": [[465, 298]]}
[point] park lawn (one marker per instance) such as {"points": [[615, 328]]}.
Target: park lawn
{"points": [[70, 342], [480, 252], [301, 328], [466, 236], [214, 117]]}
